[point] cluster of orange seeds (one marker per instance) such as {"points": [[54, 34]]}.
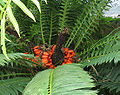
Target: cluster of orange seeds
{"points": [[69, 56], [46, 56]]}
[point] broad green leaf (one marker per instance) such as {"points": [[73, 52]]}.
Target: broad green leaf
{"points": [[3, 35], [3, 30], [69, 79], [39, 83], [2, 3], [0, 7], [37, 4], [24, 8], [12, 19]]}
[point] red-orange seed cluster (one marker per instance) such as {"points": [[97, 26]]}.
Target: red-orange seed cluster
{"points": [[69, 54], [46, 56]]}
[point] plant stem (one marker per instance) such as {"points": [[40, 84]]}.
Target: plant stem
{"points": [[95, 70], [50, 30], [41, 24]]}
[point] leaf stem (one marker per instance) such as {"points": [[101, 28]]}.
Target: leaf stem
{"points": [[41, 24], [95, 70], [51, 78], [50, 30]]}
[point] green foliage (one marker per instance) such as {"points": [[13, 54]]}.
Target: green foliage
{"points": [[87, 22], [47, 25], [84, 21], [105, 50], [12, 56], [6, 9], [108, 78], [65, 8], [13, 74], [13, 86], [3, 36], [67, 79]]}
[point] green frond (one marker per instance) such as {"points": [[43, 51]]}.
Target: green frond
{"points": [[112, 86], [111, 37], [41, 24], [109, 78], [47, 24], [13, 86], [105, 50], [39, 84], [12, 56], [87, 22], [103, 58], [51, 28], [65, 4], [7, 74], [68, 13], [67, 79]]}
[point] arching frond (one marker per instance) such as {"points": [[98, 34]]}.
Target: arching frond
{"points": [[105, 50], [66, 80], [65, 6], [87, 22], [13, 86], [12, 56], [47, 24], [109, 78]]}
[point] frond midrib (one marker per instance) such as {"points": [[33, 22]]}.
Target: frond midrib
{"points": [[51, 82]]}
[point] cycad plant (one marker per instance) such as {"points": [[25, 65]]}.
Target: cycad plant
{"points": [[82, 18]]}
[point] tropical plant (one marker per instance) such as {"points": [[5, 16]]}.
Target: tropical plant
{"points": [[99, 57], [64, 80], [5, 8]]}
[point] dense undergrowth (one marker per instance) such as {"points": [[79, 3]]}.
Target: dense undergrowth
{"points": [[94, 39]]}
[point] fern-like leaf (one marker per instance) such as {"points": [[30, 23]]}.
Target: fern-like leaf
{"points": [[13, 86], [12, 56], [64, 80], [105, 50], [109, 78], [87, 22], [63, 13]]}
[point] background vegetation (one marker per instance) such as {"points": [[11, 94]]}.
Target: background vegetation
{"points": [[94, 38]]}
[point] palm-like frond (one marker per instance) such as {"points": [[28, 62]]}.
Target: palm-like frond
{"points": [[104, 50], [12, 56], [99, 59], [108, 78], [82, 19], [67, 79], [87, 22], [47, 24], [65, 7], [14, 75], [13, 86]]}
